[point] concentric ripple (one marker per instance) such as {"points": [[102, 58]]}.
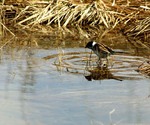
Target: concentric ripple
{"points": [[79, 61]]}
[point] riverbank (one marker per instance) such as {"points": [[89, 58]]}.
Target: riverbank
{"points": [[89, 19]]}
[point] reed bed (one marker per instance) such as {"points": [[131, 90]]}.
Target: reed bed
{"points": [[140, 31], [65, 14], [131, 17]]}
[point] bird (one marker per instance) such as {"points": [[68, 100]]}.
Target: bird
{"points": [[100, 49]]}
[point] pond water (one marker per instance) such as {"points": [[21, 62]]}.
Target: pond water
{"points": [[36, 91]]}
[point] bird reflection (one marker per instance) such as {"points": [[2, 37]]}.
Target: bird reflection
{"points": [[100, 73]]}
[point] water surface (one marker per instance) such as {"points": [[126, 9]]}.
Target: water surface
{"points": [[36, 91]]}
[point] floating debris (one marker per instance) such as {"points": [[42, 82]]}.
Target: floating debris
{"points": [[144, 68]]}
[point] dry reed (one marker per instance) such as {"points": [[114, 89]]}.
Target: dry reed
{"points": [[144, 68], [65, 14], [133, 17]]}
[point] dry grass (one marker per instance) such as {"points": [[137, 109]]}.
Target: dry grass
{"points": [[144, 68], [65, 14], [140, 28], [132, 17]]}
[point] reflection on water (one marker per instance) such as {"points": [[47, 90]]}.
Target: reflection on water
{"points": [[101, 73], [36, 90]]}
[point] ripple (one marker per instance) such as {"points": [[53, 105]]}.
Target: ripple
{"points": [[123, 66]]}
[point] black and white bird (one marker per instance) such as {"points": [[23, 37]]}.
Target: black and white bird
{"points": [[100, 49]]}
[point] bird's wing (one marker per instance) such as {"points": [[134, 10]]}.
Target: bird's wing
{"points": [[103, 48], [106, 48]]}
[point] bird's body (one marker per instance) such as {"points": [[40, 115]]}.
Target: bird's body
{"points": [[101, 50]]}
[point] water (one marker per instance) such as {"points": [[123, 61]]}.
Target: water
{"points": [[33, 90]]}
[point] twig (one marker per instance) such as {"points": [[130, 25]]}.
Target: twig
{"points": [[7, 29], [6, 43]]}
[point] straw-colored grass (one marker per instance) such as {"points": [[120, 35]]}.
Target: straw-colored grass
{"points": [[139, 32], [144, 68], [141, 27], [130, 16], [65, 14]]}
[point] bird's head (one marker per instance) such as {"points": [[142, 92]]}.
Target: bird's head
{"points": [[90, 44]]}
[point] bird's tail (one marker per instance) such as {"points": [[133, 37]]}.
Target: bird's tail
{"points": [[115, 51], [110, 50], [120, 52]]}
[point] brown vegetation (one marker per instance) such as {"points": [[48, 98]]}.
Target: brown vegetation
{"points": [[144, 68], [130, 17]]}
